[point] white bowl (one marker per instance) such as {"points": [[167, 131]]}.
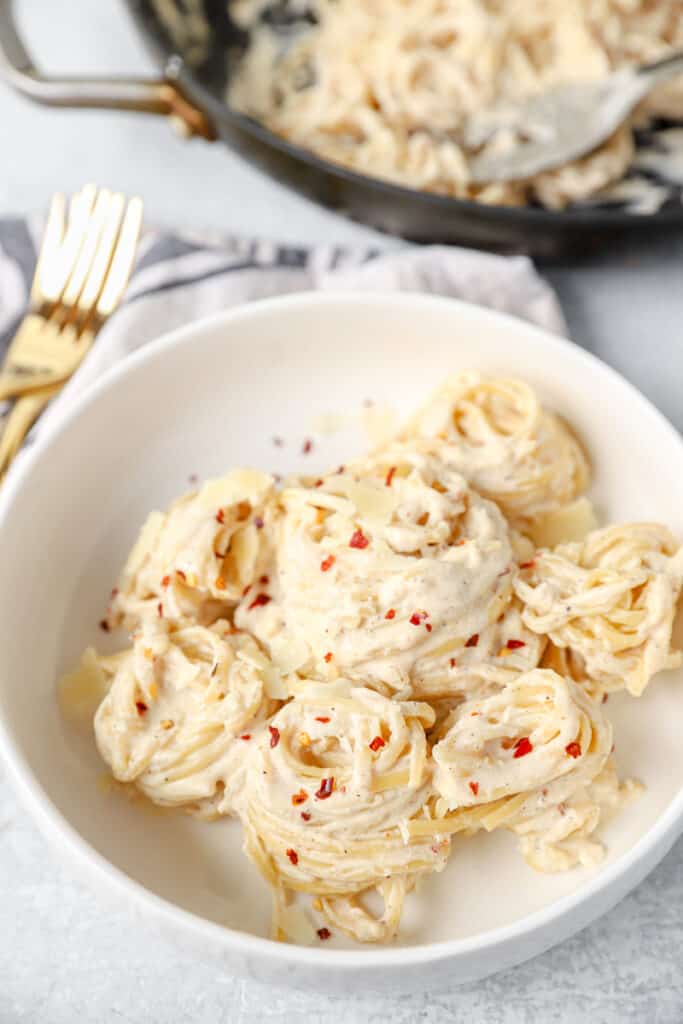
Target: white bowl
{"points": [[212, 396]]}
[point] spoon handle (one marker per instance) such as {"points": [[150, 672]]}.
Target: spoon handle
{"points": [[663, 69]]}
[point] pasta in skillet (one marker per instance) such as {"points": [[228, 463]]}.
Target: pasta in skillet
{"points": [[361, 667], [410, 90]]}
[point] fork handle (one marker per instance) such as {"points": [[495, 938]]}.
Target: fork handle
{"points": [[13, 385], [23, 415], [152, 96]]}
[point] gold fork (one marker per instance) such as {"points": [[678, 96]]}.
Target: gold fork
{"points": [[84, 265]]}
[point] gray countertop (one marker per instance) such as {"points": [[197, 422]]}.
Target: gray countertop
{"points": [[62, 959]]}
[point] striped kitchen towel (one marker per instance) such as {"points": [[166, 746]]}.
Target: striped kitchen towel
{"points": [[181, 277]]}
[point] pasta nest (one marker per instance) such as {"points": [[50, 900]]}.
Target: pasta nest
{"points": [[329, 792], [384, 566], [527, 754], [610, 602], [196, 559], [181, 706], [509, 448]]}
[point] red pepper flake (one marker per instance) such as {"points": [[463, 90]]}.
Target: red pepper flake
{"points": [[453, 663], [528, 565], [274, 735], [220, 516], [523, 747], [299, 798], [605, 698], [377, 743], [473, 640], [322, 718], [417, 618], [359, 540], [160, 610], [141, 706], [391, 614], [318, 483], [327, 563], [306, 815], [573, 749], [326, 788], [293, 855], [324, 933], [179, 572], [328, 656], [474, 786], [258, 522], [165, 581], [514, 645], [390, 476], [278, 442], [104, 626], [340, 469], [428, 627], [259, 601], [245, 736], [307, 446], [246, 590], [264, 579]]}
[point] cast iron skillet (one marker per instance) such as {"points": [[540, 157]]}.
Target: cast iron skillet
{"points": [[192, 92]]}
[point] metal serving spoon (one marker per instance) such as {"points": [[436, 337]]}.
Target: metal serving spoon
{"points": [[564, 123]]}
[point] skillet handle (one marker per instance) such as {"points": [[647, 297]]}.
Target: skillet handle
{"points": [[152, 96]]}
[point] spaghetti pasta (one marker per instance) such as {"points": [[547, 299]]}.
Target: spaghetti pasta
{"points": [[361, 666], [520, 759], [381, 567], [409, 90], [495, 432], [196, 559], [326, 806], [610, 601], [178, 704]]}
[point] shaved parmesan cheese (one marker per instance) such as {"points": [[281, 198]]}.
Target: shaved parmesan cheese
{"points": [[240, 485], [570, 523], [289, 653], [275, 685], [244, 549], [375, 504], [81, 692]]}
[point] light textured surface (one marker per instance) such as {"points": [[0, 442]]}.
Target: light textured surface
{"points": [[62, 957]]}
